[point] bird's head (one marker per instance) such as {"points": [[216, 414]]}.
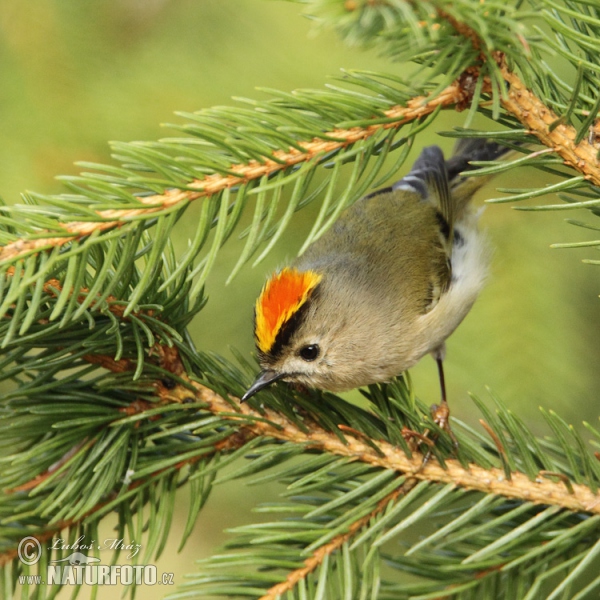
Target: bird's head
{"points": [[293, 343]]}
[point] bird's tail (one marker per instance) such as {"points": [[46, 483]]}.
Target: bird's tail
{"points": [[467, 150]]}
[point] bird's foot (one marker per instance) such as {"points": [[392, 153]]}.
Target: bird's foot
{"points": [[440, 413], [414, 438]]}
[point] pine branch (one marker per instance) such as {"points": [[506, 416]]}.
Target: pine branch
{"points": [[546, 125], [316, 559], [473, 477], [518, 101], [355, 447], [234, 441], [270, 424], [54, 288], [240, 174], [532, 112]]}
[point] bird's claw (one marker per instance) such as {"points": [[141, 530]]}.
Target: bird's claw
{"points": [[413, 438], [440, 413]]}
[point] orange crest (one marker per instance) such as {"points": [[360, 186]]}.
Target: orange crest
{"points": [[279, 300]]}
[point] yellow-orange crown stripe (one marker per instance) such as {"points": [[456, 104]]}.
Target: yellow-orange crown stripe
{"points": [[283, 294]]}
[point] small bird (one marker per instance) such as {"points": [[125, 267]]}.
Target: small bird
{"points": [[386, 285]]}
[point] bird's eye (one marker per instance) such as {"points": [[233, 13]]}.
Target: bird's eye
{"points": [[309, 353]]}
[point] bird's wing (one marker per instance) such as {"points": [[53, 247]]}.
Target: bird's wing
{"points": [[429, 178]]}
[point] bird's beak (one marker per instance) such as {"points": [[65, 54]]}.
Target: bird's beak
{"points": [[264, 379]]}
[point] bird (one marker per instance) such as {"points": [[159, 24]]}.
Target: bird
{"points": [[385, 286]]}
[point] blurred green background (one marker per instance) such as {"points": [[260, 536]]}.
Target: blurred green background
{"points": [[77, 74]]}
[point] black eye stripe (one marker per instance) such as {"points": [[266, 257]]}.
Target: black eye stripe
{"points": [[282, 339]]}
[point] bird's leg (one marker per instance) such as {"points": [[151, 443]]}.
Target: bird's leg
{"points": [[441, 413]]}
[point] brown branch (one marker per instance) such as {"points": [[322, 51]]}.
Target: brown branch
{"points": [[488, 481], [109, 363], [164, 354], [317, 557], [53, 287], [415, 108], [269, 423], [520, 102], [537, 117], [232, 442], [478, 575], [575, 497], [38, 479]]}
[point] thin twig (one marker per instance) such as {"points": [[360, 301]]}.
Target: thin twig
{"points": [[269, 423], [53, 287], [415, 108], [537, 117], [474, 477], [478, 575], [38, 479], [519, 101], [316, 558], [234, 441], [540, 119]]}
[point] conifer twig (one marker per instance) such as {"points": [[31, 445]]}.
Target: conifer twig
{"points": [[231, 442], [415, 108], [534, 114], [53, 287], [538, 118], [488, 481], [317, 557], [519, 101], [269, 423]]}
